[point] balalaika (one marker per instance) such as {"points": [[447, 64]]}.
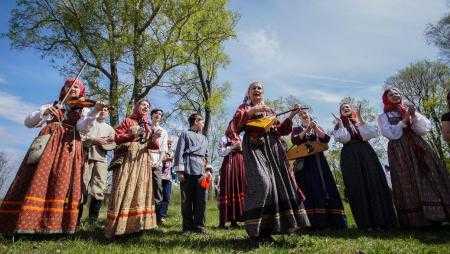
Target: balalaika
{"points": [[260, 125], [306, 149], [263, 124]]}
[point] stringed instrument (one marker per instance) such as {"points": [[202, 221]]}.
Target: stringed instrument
{"points": [[81, 103], [306, 149], [260, 125], [263, 124]]}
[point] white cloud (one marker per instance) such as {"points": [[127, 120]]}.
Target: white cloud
{"points": [[262, 45], [14, 108], [322, 96], [340, 80]]}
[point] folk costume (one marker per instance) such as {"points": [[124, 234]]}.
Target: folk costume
{"points": [[45, 195], [312, 173], [365, 183], [273, 203], [96, 164], [131, 206], [231, 184], [190, 159], [420, 181]]}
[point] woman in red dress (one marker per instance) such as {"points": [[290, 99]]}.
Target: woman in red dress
{"points": [[44, 196]]}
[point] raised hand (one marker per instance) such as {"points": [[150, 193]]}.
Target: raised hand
{"points": [[157, 133], [258, 109], [53, 110], [101, 141], [407, 117], [295, 110], [412, 110]]}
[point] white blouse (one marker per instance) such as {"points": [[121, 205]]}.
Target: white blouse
{"points": [[158, 155], [420, 125], [367, 132], [37, 118]]}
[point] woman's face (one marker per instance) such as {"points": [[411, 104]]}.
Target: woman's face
{"points": [[74, 92], [394, 96], [256, 93], [304, 116], [346, 110], [143, 108]]}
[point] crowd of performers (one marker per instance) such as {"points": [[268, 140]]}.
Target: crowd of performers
{"points": [[66, 167]]}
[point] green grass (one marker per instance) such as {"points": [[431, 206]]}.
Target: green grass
{"points": [[169, 239]]}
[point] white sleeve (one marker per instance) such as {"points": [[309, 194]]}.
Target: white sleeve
{"points": [[368, 132], [88, 116], [391, 132], [341, 135], [420, 124], [37, 117], [224, 150]]}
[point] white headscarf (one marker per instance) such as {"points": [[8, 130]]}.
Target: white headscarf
{"points": [[247, 100]]}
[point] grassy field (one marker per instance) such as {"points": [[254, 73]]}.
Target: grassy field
{"points": [[168, 239]]}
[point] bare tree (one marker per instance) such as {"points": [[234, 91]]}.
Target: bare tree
{"points": [[439, 35], [3, 169]]}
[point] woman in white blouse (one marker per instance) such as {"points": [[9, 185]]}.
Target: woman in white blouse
{"points": [[44, 197], [367, 190], [420, 181]]}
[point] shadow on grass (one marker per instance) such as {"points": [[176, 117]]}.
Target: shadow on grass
{"points": [[436, 235]]}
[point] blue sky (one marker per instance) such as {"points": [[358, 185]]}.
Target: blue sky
{"points": [[318, 50]]}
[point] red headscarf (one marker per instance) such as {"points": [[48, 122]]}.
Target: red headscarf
{"points": [[142, 119], [350, 122], [68, 83], [389, 106]]}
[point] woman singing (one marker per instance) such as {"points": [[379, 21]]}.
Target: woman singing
{"points": [[420, 181], [367, 190], [323, 203], [273, 202], [132, 208]]}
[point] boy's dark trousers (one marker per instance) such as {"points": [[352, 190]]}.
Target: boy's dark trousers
{"points": [[157, 191], [193, 203]]}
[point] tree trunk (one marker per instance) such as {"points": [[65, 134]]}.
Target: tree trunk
{"points": [[114, 94], [207, 121], [138, 73], [137, 62]]}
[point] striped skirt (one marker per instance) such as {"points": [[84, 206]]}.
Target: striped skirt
{"points": [[131, 206], [232, 186], [420, 182], [44, 197], [273, 201]]}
